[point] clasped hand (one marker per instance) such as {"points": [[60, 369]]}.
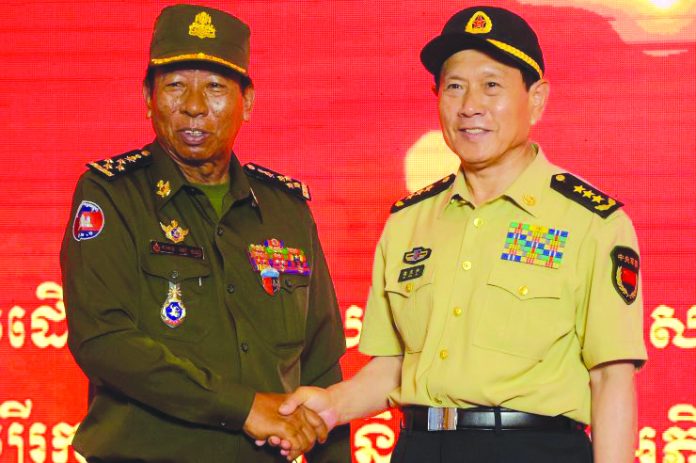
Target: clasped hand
{"points": [[292, 422]]}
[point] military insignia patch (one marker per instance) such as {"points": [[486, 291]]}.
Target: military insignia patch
{"points": [[584, 194], [479, 23], [416, 255], [294, 186], [174, 232], [121, 164], [411, 273], [169, 249], [202, 26], [427, 192], [624, 275], [534, 244], [173, 310], [163, 188], [272, 258], [88, 222]]}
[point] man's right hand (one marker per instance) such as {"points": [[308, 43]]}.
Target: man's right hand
{"points": [[299, 429], [314, 398]]}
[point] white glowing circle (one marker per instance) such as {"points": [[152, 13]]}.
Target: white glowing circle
{"points": [[663, 4]]}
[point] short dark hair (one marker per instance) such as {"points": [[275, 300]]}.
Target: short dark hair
{"points": [[529, 77], [149, 80]]}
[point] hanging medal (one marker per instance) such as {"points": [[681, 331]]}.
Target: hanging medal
{"points": [[173, 310]]}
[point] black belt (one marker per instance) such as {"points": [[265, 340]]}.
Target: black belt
{"points": [[420, 418]]}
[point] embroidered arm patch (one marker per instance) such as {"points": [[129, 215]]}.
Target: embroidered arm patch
{"points": [[624, 274], [584, 194]]}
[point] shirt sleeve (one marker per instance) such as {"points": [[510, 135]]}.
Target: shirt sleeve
{"points": [[100, 275], [379, 336], [610, 327]]}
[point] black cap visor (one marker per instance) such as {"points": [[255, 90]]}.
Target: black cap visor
{"points": [[438, 50]]}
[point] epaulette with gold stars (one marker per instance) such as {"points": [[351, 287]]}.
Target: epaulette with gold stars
{"points": [[426, 192], [584, 194], [121, 164], [294, 186]]}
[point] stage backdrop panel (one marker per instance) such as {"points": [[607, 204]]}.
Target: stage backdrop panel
{"points": [[344, 104]]}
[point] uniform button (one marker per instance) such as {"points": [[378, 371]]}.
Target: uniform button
{"points": [[523, 291], [444, 354], [478, 221], [245, 347], [219, 231], [230, 288], [409, 287], [466, 265], [174, 274], [288, 284], [457, 311], [437, 400]]}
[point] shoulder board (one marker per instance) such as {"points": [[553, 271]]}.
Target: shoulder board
{"points": [[293, 186], [427, 192], [584, 194], [122, 164]]}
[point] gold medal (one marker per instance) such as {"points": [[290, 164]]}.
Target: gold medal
{"points": [[173, 310]]}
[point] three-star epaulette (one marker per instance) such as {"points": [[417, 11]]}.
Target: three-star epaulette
{"points": [[121, 164], [294, 186], [584, 194], [426, 192]]}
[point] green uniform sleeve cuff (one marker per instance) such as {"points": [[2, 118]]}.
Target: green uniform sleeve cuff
{"points": [[235, 404]]}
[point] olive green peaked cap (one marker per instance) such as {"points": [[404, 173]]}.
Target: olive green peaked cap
{"points": [[198, 33]]}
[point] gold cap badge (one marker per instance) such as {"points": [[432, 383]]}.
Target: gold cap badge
{"points": [[479, 23], [202, 26]]}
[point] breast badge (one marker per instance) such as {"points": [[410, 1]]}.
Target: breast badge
{"points": [[411, 273], [534, 244], [174, 232], [173, 311], [626, 264], [88, 222], [416, 255], [272, 258]]}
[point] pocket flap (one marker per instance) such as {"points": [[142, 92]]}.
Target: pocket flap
{"points": [[526, 284], [174, 267], [412, 279]]}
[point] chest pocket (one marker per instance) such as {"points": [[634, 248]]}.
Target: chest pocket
{"points": [[196, 293], [523, 313], [411, 304]]}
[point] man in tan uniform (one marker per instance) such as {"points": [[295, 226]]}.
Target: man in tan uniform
{"points": [[504, 314]]}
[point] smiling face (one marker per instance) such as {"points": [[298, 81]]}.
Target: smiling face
{"points": [[197, 111], [486, 112]]}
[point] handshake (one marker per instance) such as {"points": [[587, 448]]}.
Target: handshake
{"points": [[294, 422]]}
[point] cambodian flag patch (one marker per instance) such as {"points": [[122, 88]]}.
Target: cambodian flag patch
{"points": [[89, 221]]}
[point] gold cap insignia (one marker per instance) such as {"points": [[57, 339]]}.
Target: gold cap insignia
{"points": [[163, 188], [479, 23], [202, 26], [174, 232]]}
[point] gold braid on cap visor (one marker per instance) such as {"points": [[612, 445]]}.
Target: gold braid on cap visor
{"points": [[198, 57], [518, 54]]}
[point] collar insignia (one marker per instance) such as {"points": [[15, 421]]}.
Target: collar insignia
{"points": [[584, 194], [479, 23], [163, 188], [202, 26], [174, 232]]}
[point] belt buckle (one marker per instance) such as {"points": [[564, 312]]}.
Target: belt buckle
{"points": [[442, 419]]}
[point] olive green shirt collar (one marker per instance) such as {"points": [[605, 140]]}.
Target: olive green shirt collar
{"points": [[167, 179], [527, 191]]}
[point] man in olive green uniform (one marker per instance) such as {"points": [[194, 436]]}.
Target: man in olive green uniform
{"points": [[196, 289], [505, 311]]}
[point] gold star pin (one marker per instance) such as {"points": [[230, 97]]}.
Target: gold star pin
{"points": [[163, 188], [578, 189]]}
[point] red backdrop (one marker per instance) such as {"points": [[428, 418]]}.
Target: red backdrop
{"points": [[343, 103]]}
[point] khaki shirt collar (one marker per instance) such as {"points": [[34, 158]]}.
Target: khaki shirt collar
{"points": [[167, 180], [526, 191]]}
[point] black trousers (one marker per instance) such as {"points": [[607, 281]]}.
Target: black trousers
{"points": [[469, 446]]}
